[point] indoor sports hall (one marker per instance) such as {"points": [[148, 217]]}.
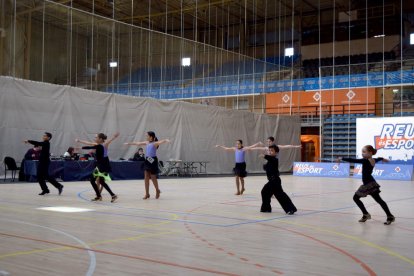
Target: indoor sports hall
{"points": [[206, 137]]}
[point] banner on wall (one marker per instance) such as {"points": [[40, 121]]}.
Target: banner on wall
{"points": [[388, 171], [321, 169], [392, 137]]}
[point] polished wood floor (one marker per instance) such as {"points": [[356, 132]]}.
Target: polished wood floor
{"points": [[199, 227]]}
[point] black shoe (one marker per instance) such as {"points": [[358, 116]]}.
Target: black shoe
{"points": [[265, 211], [390, 220], [291, 212], [60, 189], [365, 217], [44, 192], [98, 198]]}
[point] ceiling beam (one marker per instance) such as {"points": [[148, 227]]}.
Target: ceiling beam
{"points": [[40, 7], [310, 4]]}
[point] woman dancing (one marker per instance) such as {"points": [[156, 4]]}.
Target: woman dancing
{"points": [[101, 173], [240, 167], [151, 162]]}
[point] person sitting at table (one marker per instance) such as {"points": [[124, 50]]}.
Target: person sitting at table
{"points": [[70, 154], [139, 155], [31, 154]]}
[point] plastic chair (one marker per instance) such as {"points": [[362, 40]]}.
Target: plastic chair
{"points": [[10, 165]]}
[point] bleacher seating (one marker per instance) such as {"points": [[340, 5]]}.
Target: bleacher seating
{"points": [[344, 65], [339, 135]]}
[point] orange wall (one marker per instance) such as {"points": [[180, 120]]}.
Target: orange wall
{"points": [[335, 101]]}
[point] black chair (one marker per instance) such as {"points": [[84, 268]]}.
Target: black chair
{"points": [[10, 165]]}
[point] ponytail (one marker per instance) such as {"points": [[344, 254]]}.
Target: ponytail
{"points": [[371, 149]]}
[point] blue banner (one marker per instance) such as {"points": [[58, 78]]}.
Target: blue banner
{"points": [[247, 84], [388, 171], [321, 169]]}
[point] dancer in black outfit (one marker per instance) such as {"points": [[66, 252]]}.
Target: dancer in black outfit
{"points": [[370, 186], [274, 186], [44, 162], [103, 167]]}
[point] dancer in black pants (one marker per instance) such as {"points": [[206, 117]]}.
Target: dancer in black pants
{"points": [[370, 186], [44, 162], [103, 167], [274, 186]]}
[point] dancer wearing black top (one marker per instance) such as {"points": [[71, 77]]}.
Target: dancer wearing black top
{"points": [[274, 186], [44, 162], [370, 186], [103, 167]]}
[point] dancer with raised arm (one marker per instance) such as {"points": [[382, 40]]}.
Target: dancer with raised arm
{"points": [[151, 161], [369, 186], [270, 142], [240, 167], [274, 186], [101, 173], [44, 162]]}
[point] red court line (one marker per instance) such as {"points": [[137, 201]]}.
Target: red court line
{"points": [[355, 259], [187, 226], [123, 255]]}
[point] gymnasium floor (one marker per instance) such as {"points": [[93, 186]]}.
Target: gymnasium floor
{"points": [[199, 227]]}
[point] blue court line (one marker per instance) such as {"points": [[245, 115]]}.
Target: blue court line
{"points": [[245, 221], [309, 213], [164, 219], [80, 195], [128, 215]]}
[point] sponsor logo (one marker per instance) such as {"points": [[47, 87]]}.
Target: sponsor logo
{"points": [[317, 96], [307, 168], [285, 98], [395, 137], [351, 94]]}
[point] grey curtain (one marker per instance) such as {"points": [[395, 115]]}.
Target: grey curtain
{"points": [[28, 109]]}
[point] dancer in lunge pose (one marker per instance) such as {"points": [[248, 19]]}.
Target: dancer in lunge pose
{"points": [[369, 186], [274, 186]]}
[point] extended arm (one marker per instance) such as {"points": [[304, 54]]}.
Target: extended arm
{"points": [[351, 160], [253, 147], [379, 159], [161, 142], [289, 146], [34, 143], [225, 148], [136, 143], [85, 142], [90, 147], [109, 141]]}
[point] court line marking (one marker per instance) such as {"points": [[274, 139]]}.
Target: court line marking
{"points": [[306, 214], [244, 221], [92, 257], [123, 255], [229, 253], [64, 248], [340, 250], [80, 195], [138, 226], [354, 238]]}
